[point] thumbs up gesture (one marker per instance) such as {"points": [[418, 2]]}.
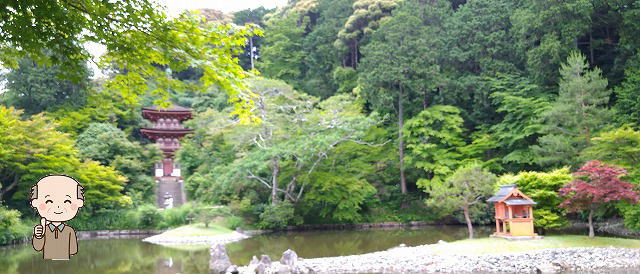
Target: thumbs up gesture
{"points": [[38, 230]]}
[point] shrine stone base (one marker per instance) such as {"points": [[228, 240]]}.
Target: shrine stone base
{"points": [[169, 186], [517, 238]]}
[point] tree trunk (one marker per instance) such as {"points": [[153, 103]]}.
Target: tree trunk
{"points": [[424, 100], [468, 220], [591, 233], [9, 187], [403, 183], [251, 50], [591, 55], [355, 54], [274, 180]]}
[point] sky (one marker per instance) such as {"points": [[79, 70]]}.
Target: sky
{"points": [[176, 6]]}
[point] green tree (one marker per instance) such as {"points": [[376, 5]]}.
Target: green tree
{"points": [[338, 195], [101, 107], [33, 148], [620, 147], [58, 29], [109, 145], [280, 152], [398, 66], [322, 58], [366, 17], [627, 104], [434, 137], [579, 111], [546, 32], [283, 35], [36, 88], [477, 44], [252, 48], [141, 42], [464, 189], [521, 106]]}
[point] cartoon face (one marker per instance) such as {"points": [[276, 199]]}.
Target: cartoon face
{"points": [[57, 198]]}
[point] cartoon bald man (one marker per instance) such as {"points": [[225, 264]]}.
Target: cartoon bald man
{"points": [[57, 199]]}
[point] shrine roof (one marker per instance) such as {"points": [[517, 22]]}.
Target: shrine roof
{"points": [[519, 202], [171, 108], [166, 131], [503, 192]]}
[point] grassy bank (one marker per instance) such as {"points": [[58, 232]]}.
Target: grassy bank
{"points": [[498, 245], [198, 229]]}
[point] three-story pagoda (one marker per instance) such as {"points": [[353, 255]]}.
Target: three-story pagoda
{"points": [[167, 131]]}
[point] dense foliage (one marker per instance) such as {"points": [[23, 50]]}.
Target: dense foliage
{"points": [[516, 85], [369, 110]]}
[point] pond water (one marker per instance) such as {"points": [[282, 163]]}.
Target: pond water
{"points": [[135, 256]]}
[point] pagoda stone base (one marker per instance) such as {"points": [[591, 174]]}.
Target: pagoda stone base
{"points": [[170, 192]]}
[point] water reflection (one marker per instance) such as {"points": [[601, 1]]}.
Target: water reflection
{"points": [[107, 256], [315, 244], [135, 256]]}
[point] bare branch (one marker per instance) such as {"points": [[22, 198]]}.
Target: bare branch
{"points": [[260, 179], [565, 131], [370, 144]]}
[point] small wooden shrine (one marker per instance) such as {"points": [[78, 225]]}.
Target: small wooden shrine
{"points": [[514, 212], [167, 131]]}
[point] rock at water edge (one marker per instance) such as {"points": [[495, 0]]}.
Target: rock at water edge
{"points": [[289, 257], [266, 260], [219, 261]]}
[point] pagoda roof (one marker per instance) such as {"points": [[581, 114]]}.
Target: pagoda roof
{"points": [[171, 108], [511, 195], [165, 131], [519, 202], [502, 193]]}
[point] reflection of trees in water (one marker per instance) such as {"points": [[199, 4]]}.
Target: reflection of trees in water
{"points": [[107, 256], [337, 243], [10, 257], [134, 256]]}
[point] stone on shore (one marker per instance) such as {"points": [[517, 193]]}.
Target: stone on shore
{"points": [[266, 260], [219, 261], [289, 258], [232, 270], [421, 259]]}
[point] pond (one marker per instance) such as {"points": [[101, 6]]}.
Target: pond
{"points": [[135, 256]]}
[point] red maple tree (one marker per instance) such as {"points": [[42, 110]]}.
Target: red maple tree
{"points": [[596, 184]]}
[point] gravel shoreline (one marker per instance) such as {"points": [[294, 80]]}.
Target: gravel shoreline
{"points": [[420, 259], [196, 240]]}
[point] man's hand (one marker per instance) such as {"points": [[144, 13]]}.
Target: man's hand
{"points": [[38, 230]]}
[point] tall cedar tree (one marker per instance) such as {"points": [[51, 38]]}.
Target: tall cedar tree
{"points": [[399, 66], [597, 184]]}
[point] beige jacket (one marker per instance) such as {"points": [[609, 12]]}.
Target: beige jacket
{"points": [[56, 244]]}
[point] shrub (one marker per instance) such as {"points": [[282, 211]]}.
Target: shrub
{"points": [[105, 219], [233, 222], [277, 216], [149, 216], [207, 215], [177, 216], [11, 228]]}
